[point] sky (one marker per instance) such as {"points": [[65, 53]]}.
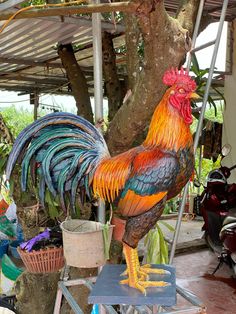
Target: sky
{"points": [[67, 103]]}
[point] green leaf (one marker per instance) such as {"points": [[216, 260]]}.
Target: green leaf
{"points": [[168, 226], [195, 65]]}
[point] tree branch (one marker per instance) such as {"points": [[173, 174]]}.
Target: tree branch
{"points": [[186, 14], [164, 47]]}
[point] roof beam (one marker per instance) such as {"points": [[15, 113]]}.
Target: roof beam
{"points": [[45, 64], [30, 89], [31, 62], [90, 8], [43, 82]]}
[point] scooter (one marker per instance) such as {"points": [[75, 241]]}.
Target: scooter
{"points": [[217, 205]]}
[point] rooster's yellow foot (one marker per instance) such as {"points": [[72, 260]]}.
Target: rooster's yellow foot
{"points": [[142, 275], [146, 269], [142, 285]]}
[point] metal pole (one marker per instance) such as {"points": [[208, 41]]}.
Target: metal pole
{"points": [[200, 168], [98, 88], [199, 126], [97, 59]]}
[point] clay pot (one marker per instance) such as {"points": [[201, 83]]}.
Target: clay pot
{"points": [[119, 228]]}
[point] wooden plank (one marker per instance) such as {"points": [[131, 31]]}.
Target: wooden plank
{"points": [[90, 8]]}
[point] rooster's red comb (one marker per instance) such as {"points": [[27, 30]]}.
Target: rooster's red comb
{"points": [[175, 76]]}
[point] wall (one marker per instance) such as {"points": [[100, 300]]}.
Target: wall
{"points": [[229, 127]]}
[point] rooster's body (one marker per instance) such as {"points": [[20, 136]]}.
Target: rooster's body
{"points": [[66, 153]]}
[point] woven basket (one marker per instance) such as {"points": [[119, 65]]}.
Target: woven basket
{"points": [[43, 261]]}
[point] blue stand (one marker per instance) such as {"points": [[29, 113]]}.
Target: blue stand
{"points": [[107, 289]]}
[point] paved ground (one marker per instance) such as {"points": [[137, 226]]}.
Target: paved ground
{"points": [[194, 267], [217, 292]]}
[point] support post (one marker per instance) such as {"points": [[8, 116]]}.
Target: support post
{"points": [[98, 88], [200, 167], [36, 104]]}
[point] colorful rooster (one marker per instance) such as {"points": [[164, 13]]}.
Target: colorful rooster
{"points": [[67, 154]]}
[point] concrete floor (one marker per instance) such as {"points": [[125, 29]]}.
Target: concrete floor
{"points": [[217, 292], [193, 271]]}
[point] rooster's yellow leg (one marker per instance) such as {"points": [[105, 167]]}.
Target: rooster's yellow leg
{"points": [[141, 275], [133, 270]]}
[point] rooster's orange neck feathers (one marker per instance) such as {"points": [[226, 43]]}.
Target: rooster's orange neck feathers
{"points": [[168, 129]]}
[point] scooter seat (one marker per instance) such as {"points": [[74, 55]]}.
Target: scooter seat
{"points": [[231, 217]]}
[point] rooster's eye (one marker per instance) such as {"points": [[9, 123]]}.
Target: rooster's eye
{"points": [[181, 91]]}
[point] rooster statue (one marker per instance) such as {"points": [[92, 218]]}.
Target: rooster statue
{"points": [[68, 155]]}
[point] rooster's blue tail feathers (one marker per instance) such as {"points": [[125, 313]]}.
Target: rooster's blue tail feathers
{"points": [[60, 152]]}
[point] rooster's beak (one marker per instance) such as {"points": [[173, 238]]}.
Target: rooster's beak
{"points": [[194, 96]]}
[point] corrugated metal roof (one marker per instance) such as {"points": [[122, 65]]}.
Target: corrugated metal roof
{"points": [[213, 7], [28, 48], [28, 51]]}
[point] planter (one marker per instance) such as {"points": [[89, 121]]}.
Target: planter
{"points": [[47, 260], [83, 243], [119, 228]]}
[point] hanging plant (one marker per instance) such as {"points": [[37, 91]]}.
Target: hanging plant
{"points": [[156, 245]]}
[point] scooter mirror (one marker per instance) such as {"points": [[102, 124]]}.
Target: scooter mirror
{"points": [[226, 149], [196, 183]]}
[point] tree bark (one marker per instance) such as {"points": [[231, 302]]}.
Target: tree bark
{"points": [[133, 35], [112, 84], [77, 81], [165, 45]]}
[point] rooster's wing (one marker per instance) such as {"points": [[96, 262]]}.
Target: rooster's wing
{"points": [[153, 174]]}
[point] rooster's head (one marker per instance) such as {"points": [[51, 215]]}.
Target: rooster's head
{"points": [[182, 90]]}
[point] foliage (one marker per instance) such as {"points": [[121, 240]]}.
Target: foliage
{"points": [[207, 164], [4, 153], [156, 246], [32, 2], [17, 119], [200, 79], [171, 206]]}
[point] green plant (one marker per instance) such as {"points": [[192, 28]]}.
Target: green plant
{"points": [[17, 119], [156, 245], [200, 79], [4, 153]]}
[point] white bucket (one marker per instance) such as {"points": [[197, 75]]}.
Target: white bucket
{"points": [[4, 310], [83, 243]]}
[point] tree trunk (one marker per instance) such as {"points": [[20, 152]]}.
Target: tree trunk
{"points": [[112, 84], [36, 293], [165, 45], [77, 81]]}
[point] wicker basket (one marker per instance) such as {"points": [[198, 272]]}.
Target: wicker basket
{"points": [[43, 261]]}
